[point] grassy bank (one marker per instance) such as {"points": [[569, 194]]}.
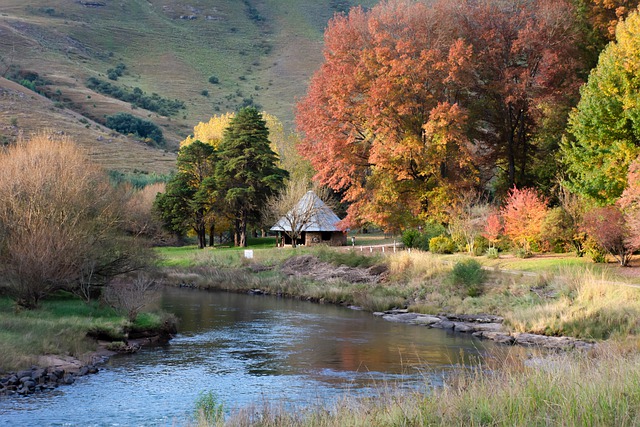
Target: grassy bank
{"points": [[63, 325], [561, 297], [568, 389]]}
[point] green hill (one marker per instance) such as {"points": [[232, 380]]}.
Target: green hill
{"points": [[212, 57]]}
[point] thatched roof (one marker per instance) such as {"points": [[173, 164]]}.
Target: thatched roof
{"points": [[319, 216]]}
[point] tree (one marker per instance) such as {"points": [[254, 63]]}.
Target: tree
{"points": [[246, 172], [418, 103], [382, 119], [604, 129], [523, 215], [629, 204], [526, 66], [60, 222], [607, 226], [468, 219], [296, 206], [493, 229], [191, 195]]}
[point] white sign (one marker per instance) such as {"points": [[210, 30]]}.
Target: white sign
{"points": [[248, 253]]}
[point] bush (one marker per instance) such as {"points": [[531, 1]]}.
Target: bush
{"points": [[493, 253], [470, 275], [61, 232], [413, 238], [129, 124], [214, 80], [410, 237], [209, 410], [442, 245]]}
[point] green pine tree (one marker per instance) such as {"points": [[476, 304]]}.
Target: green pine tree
{"points": [[246, 172]]}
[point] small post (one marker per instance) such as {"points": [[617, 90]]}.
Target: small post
{"points": [[383, 249], [370, 248]]}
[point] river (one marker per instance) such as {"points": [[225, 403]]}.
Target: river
{"points": [[249, 349]]}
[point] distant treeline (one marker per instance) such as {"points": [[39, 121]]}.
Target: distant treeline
{"points": [[137, 98]]}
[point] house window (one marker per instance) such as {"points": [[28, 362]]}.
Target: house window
{"points": [[326, 236]]}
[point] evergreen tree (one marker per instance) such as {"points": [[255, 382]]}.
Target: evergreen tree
{"points": [[190, 195], [246, 172]]}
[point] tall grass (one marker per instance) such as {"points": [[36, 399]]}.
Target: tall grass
{"points": [[587, 306], [567, 389]]}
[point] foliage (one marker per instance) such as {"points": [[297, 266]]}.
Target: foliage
{"points": [[419, 238], [493, 228], [214, 80], [493, 253], [114, 73], [442, 245], [407, 86], [607, 226], [191, 199], [523, 215], [558, 230], [282, 142], [467, 221], [470, 275], [605, 125], [209, 410], [139, 216], [59, 222], [137, 97], [629, 203], [246, 172], [126, 123]]}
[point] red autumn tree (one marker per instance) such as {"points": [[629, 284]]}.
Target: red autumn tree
{"points": [[525, 60], [416, 103], [629, 203], [493, 228], [607, 226], [382, 118], [523, 214]]}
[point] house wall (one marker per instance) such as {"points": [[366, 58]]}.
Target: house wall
{"points": [[334, 238]]}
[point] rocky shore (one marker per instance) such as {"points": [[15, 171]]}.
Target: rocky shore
{"points": [[484, 326], [53, 371]]}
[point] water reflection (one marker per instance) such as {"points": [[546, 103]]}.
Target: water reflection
{"points": [[249, 349]]}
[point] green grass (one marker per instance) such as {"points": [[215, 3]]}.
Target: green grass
{"points": [[60, 327]]}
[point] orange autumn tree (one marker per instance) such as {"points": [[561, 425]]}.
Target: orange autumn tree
{"points": [[417, 103], [523, 215], [382, 119]]}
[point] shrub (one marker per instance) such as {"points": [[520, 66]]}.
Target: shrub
{"points": [[209, 409], [493, 253], [204, 93], [129, 124], [61, 231], [607, 226], [214, 80], [409, 237], [470, 275], [442, 245]]}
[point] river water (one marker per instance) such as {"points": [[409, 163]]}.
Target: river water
{"points": [[249, 350]]}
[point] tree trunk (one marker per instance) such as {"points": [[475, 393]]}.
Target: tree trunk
{"points": [[242, 224], [212, 229]]}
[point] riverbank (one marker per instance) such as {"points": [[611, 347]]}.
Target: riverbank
{"points": [[575, 301], [50, 346]]}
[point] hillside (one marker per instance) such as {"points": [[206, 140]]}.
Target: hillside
{"points": [[256, 52], [24, 112]]}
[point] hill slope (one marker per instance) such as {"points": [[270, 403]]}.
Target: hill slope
{"points": [[257, 52]]}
